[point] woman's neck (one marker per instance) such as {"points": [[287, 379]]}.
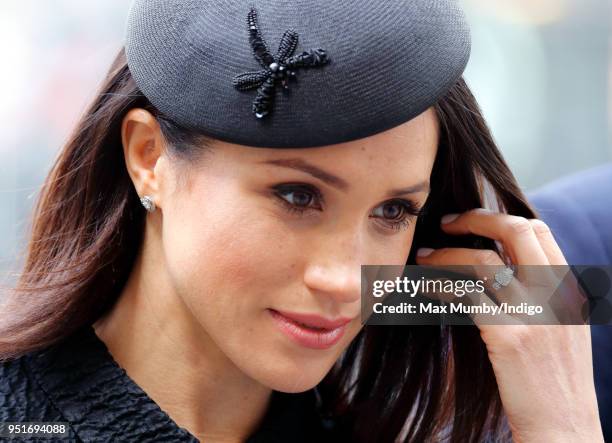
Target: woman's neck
{"points": [[152, 335]]}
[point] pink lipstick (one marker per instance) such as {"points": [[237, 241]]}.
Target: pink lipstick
{"points": [[309, 330]]}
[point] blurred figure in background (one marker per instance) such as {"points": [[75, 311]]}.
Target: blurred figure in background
{"points": [[578, 209]]}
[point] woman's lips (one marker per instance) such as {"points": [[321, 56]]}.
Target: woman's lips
{"points": [[310, 331]]}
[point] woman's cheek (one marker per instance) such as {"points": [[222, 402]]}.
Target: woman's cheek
{"points": [[229, 260]]}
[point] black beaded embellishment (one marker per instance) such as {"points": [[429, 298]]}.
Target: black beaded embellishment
{"points": [[278, 69]]}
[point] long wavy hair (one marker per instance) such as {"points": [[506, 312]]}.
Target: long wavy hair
{"points": [[400, 383]]}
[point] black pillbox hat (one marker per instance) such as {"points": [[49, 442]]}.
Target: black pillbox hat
{"points": [[299, 73]]}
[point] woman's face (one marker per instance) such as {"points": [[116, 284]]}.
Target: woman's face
{"points": [[254, 231]]}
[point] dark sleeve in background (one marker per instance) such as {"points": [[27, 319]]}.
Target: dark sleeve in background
{"points": [[578, 209]]}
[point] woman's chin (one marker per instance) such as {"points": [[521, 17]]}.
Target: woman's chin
{"points": [[294, 384], [289, 375]]}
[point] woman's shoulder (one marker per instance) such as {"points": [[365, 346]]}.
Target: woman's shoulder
{"points": [[23, 400], [17, 389], [76, 381], [27, 382]]}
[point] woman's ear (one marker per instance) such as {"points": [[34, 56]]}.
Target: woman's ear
{"points": [[143, 147]]}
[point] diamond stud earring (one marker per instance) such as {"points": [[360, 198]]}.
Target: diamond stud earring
{"points": [[148, 203]]}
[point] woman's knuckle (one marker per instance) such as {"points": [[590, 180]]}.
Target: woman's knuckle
{"points": [[519, 225], [513, 342], [442, 252], [539, 226], [445, 254], [521, 337], [486, 257]]}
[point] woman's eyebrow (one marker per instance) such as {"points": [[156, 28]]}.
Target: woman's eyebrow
{"points": [[333, 180], [413, 189], [315, 171]]}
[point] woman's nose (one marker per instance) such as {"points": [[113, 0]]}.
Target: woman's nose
{"points": [[334, 266], [340, 281], [334, 262]]}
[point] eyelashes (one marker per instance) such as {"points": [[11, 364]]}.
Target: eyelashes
{"points": [[301, 196], [395, 214], [408, 210]]}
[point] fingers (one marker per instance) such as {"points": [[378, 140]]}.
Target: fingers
{"points": [[460, 256], [526, 241], [515, 233], [548, 242], [486, 264]]}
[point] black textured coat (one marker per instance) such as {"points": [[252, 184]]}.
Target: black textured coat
{"points": [[78, 381]]}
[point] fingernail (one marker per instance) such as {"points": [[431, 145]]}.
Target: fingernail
{"points": [[424, 252], [448, 218]]}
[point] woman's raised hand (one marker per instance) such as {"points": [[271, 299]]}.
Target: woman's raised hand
{"points": [[544, 372]]}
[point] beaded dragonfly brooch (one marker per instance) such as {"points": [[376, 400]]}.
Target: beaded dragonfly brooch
{"points": [[278, 69]]}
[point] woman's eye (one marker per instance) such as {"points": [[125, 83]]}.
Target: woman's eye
{"points": [[397, 214], [299, 198]]}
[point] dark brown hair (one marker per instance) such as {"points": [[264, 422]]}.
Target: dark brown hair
{"points": [[392, 383]]}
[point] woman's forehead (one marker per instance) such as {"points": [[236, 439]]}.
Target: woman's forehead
{"points": [[415, 140]]}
